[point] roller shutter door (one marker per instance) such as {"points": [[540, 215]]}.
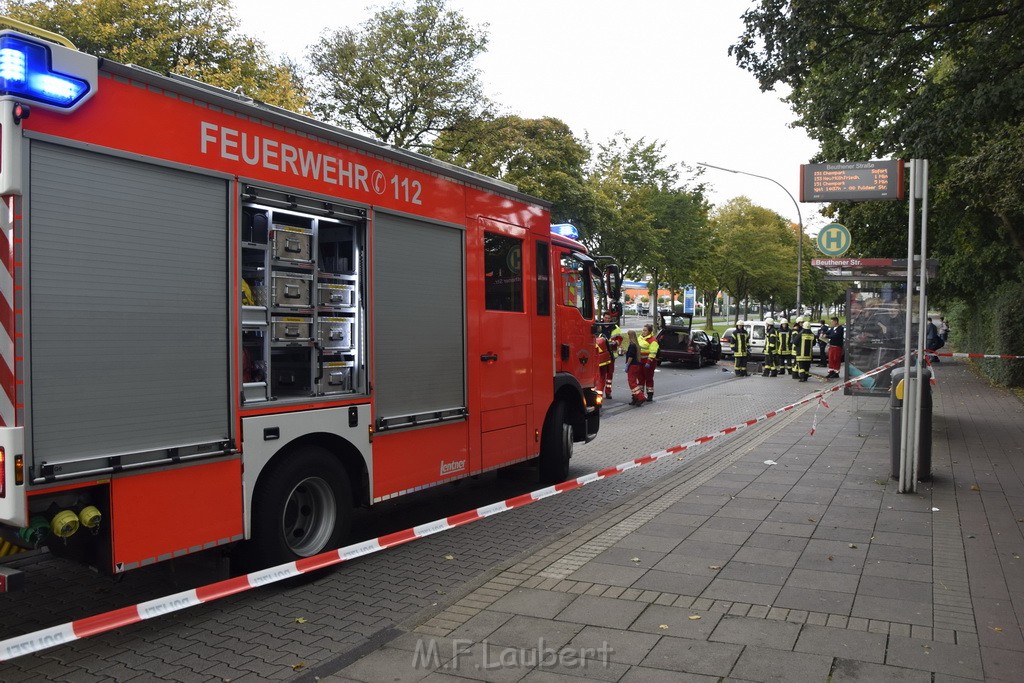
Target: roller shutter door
{"points": [[128, 312], [418, 325]]}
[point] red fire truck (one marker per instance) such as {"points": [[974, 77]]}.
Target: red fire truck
{"points": [[226, 324]]}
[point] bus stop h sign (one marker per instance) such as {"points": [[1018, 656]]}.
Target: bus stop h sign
{"points": [[834, 240]]}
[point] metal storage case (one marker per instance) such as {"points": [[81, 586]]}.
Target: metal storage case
{"points": [[337, 377], [291, 329], [335, 333], [335, 294], [291, 244], [291, 290]]}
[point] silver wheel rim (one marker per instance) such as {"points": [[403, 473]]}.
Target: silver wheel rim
{"points": [[309, 516], [567, 440]]}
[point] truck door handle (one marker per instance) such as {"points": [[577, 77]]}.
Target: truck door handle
{"points": [[489, 357]]}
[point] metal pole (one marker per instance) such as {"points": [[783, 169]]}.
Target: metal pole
{"points": [[907, 435], [922, 315], [800, 222]]}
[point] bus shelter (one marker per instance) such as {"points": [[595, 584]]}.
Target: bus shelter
{"points": [[876, 310]]}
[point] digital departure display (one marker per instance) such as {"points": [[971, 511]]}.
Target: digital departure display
{"points": [[852, 181]]}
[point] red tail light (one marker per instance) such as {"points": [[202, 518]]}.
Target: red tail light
{"points": [[3, 474]]}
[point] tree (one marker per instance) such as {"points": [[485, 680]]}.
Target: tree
{"points": [[639, 195], [681, 217], [753, 246], [623, 226], [817, 292], [541, 157], [625, 176], [195, 38], [404, 77], [939, 80]]}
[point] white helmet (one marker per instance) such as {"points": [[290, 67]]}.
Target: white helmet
{"points": [[783, 321], [769, 321]]}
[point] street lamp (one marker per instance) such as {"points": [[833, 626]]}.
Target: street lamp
{"points": [[799, 238]]}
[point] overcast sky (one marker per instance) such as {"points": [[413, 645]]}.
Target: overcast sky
{"points": [[657, 69]]}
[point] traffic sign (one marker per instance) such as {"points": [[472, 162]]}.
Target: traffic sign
{"points": [[834, 239]]}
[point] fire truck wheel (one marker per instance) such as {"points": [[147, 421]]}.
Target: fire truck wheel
{"points": [[555, 446], [302, 506]]}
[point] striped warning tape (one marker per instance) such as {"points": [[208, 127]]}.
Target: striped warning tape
{"points": [[974, 355], [42, 639]]}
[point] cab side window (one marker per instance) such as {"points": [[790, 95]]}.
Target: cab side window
{"points": [[503, 273], [576, 287]]}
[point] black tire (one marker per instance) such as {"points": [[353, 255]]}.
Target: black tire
{"points": [[302, 506], [555, 446]]}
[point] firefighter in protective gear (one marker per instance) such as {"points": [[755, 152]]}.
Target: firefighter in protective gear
{"points": [[648, 358], [740, 349], [794, 343], [772, 345], [611, 332], [804, 351], [604, 362], [785, 347]]}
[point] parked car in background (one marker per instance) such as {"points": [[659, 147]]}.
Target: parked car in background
{"points": [[756, 330], [727, 342], [678, 342]]}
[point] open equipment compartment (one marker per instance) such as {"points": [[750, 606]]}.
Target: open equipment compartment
{"points": [[302, 298]]}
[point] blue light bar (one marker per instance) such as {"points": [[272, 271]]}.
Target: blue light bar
{"points": [[26, 72], [566, 230]]}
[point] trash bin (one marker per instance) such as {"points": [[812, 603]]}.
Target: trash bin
{"points": [[924, 443]]}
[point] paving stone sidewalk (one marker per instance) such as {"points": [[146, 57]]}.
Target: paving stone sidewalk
{"points": [[791, 558]]}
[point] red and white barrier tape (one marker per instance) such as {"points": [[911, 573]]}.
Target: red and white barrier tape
{"points": [[934, 379], [42, 639], [974, 355]]}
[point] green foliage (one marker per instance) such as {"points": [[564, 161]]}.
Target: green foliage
{"points": [[942, 81], [541, 157], [648, 222], [755, 250], [404, 77], [195, 38], [993, 324], [681, 217]]}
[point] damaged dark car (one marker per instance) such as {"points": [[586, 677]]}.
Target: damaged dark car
{"points": [[678, 342]]}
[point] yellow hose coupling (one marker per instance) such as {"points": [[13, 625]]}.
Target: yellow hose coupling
{"points": [[90, 517], [64, 524]]}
